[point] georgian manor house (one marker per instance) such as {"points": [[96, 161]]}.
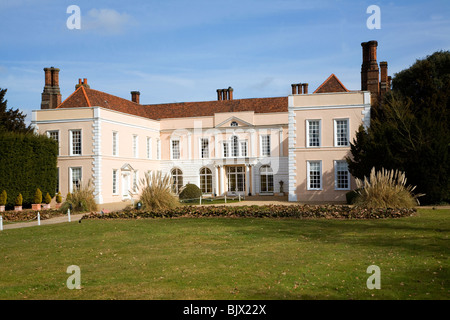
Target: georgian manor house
{"points": [[293, 145]]}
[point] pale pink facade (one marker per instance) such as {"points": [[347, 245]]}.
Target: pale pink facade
{"points": [[231, 153], [321, 127]]}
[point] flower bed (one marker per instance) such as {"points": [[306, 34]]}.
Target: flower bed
{"points": [[28, 215], [266, 211]]}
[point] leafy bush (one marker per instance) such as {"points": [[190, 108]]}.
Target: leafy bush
{"points": [[3, 198], [81, 200], [268, 211], [157, 192], [385, 189], [190, 191], [47, 198], [29, 215], [37, 196], [58, 197], [19, 200], [351, 196]]}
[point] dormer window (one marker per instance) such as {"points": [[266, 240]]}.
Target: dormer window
{"points": [[234, 124]]}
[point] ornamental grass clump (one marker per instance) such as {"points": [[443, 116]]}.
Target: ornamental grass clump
{"points": [[81, 199], [385, 189], [157, 192]]}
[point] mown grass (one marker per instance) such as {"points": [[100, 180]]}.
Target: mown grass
{"points": [[226, 258]]}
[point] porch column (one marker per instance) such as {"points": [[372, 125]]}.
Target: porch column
{"points": [[247, 179], [222, 179], [216, 172]]}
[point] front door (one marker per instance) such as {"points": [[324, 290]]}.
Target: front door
{"points": [[125, 185], [236, 179]]}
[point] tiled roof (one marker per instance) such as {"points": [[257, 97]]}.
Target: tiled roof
{"points": [[332, 84], [86, 97]]}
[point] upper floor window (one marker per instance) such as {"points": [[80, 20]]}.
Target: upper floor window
{"points": [[341, 133], [158, 149], [54, 134], [149, 148], [265, 145], [235, 148], [313, 133], [75, 142], [135, 146], [175, 149], [115, 143], [204, 145]]}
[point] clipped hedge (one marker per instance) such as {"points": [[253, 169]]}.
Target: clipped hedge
{"points": [[267, 211], [27, 162]]}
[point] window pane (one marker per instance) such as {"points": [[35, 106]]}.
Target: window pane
{"points": [[265, 145], [76, 178], [175, 149], [342, 132], [313, 132], [314, 175], [76, 142], [205, 148], [342, 175]]}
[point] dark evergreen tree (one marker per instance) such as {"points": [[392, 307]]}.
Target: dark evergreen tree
{"points": [[411, 130], [11, 120]]}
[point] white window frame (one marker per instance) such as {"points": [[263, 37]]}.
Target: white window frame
{"points": [[115, 143], [261, 143], [308, 138], [226, 149], [204, 180], [172, 150], [336, 182], [336, 133], [149, 147], [71, 146], [201, 153], [243, 143], [71, 169], [115, 185], [308, 172], [49, 134], [158, 149], [135, 144], [135, 181]]}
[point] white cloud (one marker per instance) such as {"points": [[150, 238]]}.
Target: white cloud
{"points": [[106, 21]]}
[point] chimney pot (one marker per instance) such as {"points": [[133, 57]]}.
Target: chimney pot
{"points": [[135, 96], [305, 88]]}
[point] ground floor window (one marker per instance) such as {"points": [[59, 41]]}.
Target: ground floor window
{"points": [[266, 174], [342, 176], [177, 176], [206, 180], [236, 179], [314, 175], [75, 178]]}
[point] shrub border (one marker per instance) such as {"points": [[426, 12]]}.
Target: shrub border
{"points": [[265, 211]]}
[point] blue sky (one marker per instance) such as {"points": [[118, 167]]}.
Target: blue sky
{"points": [[176, 50]]}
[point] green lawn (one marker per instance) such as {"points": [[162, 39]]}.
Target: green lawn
{"points": [[226, 258]]}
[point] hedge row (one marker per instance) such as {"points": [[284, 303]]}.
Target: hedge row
{"points": [[28, 215], [28, 162], [267, 211]]}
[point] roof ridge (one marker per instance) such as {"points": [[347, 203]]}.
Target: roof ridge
{"points": [[85, 96]]}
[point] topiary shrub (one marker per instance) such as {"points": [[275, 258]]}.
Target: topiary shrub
{"points": [[47, 198], [19, 200], [3, 198], [58, 197], [190, 191], [37, 196]]}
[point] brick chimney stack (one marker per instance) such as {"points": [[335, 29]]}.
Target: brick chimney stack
{"points": [[225, 94], [299, 88], [135, 96], [51, 96], [384, 79], [82, 83]]}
